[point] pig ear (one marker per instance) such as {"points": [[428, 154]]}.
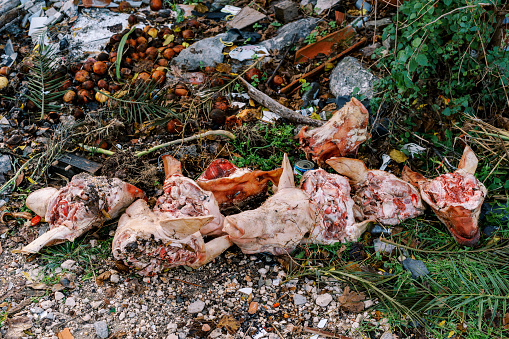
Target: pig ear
{"points": [[412, 177], [185, 226], [38, 201], [468, 161], [354, 169], [171, 166], [286, 180]]}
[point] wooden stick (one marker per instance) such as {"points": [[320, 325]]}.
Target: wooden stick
{"points": [[277, 108], [174, 142], [324, 333], [194, 137]]}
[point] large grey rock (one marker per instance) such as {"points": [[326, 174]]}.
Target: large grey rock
{"points": [[101, 329], [349, 74], [285, 34], [7, 5], [323, 5], [5, 164], [206, 52]]}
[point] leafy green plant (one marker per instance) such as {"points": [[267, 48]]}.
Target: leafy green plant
{"points": [[311, 38], [3, 318], [254, 80], [276, 24], [305, 86], [333, 24], [257, 26], [439, 51]]}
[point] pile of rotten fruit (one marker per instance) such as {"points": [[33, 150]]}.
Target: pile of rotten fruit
{"points": [[186, 226]]}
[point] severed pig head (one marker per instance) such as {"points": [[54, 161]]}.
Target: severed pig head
{"points": [[232, 185], [277, 226], [321, 212], [456, 198], [379, 195], [150, 241], [86, 202], [330, 193], [184, 198], [340, 136]]}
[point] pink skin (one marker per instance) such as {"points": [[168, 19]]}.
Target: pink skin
{"points": [[379, 194], [86, 202], [232, 185], [456, 198], [339, 137]]}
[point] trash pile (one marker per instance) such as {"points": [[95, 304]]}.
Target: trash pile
{"points": [[258, 112]]}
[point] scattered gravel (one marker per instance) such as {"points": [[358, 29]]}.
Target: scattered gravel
{"points": [[180, 303], [101, 329]]}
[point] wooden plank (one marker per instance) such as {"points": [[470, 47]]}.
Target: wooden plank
{"points": [[70, 165]]}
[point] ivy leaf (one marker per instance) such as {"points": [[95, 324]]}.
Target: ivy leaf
{"points": [[412, 65], [447, 2], [422, 60], [417, 42], [446, 111]]}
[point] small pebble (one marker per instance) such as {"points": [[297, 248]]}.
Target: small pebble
{"points": [[253, 307], [205, 328]]}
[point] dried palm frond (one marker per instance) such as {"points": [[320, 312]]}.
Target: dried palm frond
{"points": [[43, 81], [140, 102], [492, 141]]}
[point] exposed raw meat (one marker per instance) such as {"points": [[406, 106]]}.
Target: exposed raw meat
{"points": [[86, 202], [456, 198], [331, 194], [340, 136], [380, 195], [171, 234], [150, 242], [184, 198], [292, 216], [232, 185]]}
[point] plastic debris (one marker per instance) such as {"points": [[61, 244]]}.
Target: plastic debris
{"points": [[248, 52], [416, 267]]}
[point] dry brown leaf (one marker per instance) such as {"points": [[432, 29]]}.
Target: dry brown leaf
{"points": [[102, 278], [65, 334], [38, 286], [398, 156], [229, 323], [351, 301], [506, 321], [223, 68], [1, 249], [19, 178], [16, 326]]}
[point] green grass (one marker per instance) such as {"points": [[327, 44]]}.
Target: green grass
{"points": [[466, 286], [78, 251], [271, 141]]}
